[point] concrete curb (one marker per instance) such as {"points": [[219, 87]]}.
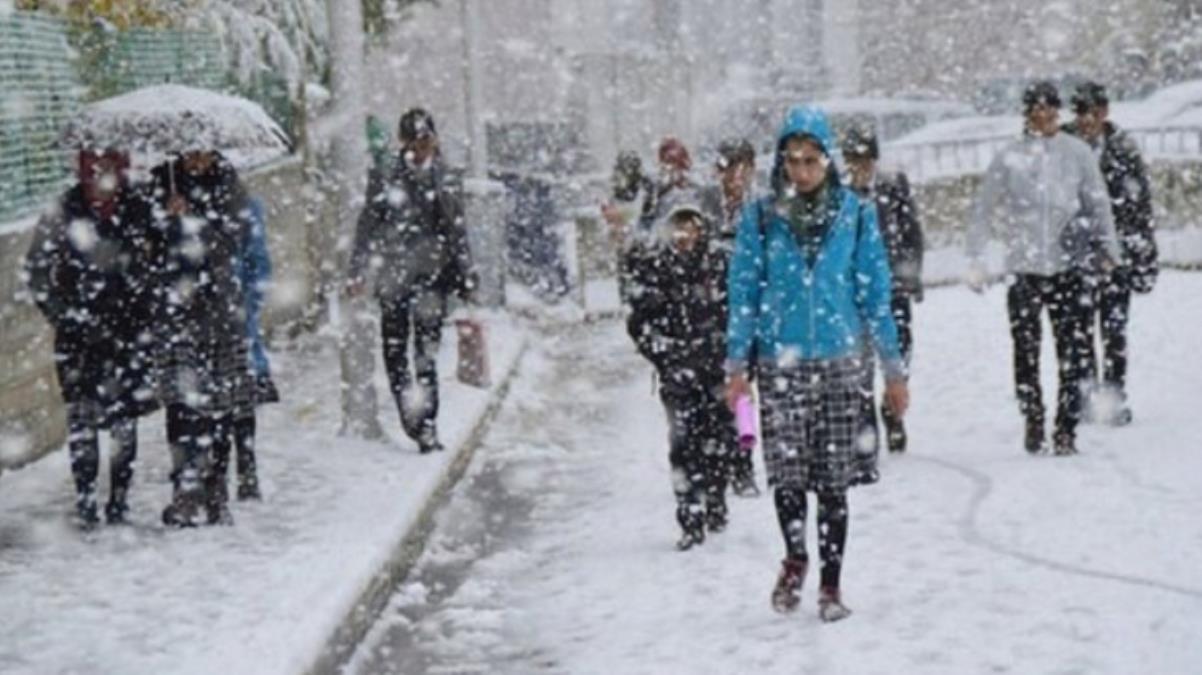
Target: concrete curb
{"points": [[373, 599]]}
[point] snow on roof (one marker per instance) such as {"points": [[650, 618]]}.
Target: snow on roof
{"points": [[1160, 107], [880, 105], [964, 129]]}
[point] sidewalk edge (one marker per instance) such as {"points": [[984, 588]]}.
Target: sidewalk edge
{"points": [[373, 599]]}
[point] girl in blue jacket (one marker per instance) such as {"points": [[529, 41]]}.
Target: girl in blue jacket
{"points": [[809, 279]]}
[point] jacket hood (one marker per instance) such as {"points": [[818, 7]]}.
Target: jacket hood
{"points": [[803, 120]]}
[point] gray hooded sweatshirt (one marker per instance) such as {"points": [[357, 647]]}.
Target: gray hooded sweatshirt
{"points": [[1046, 199]]}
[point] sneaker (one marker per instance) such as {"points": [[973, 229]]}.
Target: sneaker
{"points": [[426, 447], [786, 596], [690, 538], [1064, 444], [1035, 441], [830, 605]]}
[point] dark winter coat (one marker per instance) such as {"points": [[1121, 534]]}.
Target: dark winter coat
{"points": [[678, 315], [91, 278], [411, 235], [897, 218], [203, 347], [1131, 203]]}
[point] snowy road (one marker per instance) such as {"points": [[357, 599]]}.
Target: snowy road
{"points": [[555, 554]]}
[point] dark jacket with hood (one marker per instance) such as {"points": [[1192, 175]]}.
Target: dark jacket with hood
{"points": [[411, 233], [203, 343], [92, 278], [898, 219], [1130, 191], [678, 309]]}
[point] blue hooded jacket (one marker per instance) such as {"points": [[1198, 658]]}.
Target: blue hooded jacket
{"points": [[794, 311], [255, 272]]}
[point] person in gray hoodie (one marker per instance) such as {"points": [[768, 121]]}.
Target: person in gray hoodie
{"points": [[1044, 196]]}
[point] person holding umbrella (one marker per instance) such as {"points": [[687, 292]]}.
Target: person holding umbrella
{"points": [[88, 276], [204, 368]]}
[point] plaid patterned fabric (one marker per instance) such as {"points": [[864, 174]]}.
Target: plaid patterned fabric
{"points": [[811, 419], [212, 376]]}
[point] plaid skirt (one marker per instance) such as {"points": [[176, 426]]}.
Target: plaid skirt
{"points": [[813, 433], [213, 377]]}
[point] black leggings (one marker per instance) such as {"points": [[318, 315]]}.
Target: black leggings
{"points": [[832, 529]]}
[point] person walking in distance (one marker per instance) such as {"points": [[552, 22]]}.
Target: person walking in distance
{"points": [[897, 217], [809, 282], [1044, 196], [677, 321], [723, 205], [411, 245], [1130, 193]]}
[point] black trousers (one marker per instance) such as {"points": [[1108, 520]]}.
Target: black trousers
{"points": [[83, 445], [832, 529], [1069, 305], [1112, 308], [701, 436], [194, 437], [414, 320], [242, 432], [903, 316]]}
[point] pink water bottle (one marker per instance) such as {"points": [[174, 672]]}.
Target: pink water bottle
{"points": [[745, 421]]}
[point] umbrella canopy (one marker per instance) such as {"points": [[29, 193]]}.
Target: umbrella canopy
{"points": [[168, 119]]}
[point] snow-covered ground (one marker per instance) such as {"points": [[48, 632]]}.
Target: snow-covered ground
{"points": [[260, 597], [969, 557]]}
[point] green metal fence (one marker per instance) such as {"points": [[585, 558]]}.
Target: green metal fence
{"points": [[50, 67], [39, 89]]}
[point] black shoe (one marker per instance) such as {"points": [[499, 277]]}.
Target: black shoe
{"points": [[115, 511], [184, 509], [85, 512], [217, 504], [743, 485], [1064, 444], [895, 431], [427, 442], [248, 489], [716, 519], [694, 536], [1035, 442]]}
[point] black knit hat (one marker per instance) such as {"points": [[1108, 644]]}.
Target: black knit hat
{"points": [[733, 151], [1089, 95], [860, 142], [1040, 92], [416, 123]]}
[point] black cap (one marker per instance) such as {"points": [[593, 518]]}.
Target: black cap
{"points": [[1089, 95], [733, 151], [860, 142], [416, 123], [1040, 92]]}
